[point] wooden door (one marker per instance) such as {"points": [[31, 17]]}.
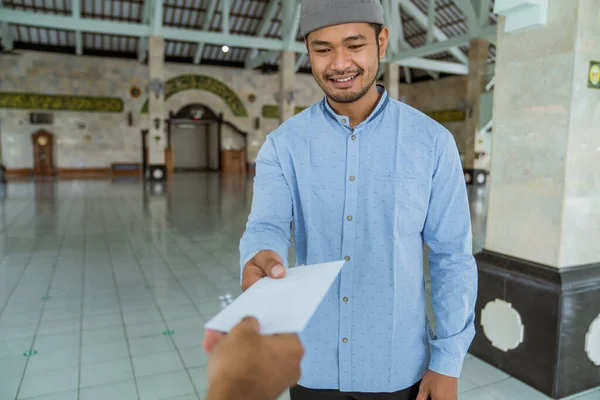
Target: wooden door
{"points": [[43, 153]]}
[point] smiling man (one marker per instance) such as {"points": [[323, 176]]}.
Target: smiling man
{"points": [[367, 179]]}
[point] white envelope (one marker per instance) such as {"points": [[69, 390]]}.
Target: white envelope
{"points": [[282, 305]]}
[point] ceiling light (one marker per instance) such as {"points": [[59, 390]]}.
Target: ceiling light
{"points": [[225, 49]]}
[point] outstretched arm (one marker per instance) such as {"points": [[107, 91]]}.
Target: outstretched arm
{"points": [[268, 226]]}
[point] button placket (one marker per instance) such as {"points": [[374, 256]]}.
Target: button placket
{"points": [[348, 246]]}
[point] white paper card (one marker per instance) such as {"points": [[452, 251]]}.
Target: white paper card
{"points": [[282, 305]]}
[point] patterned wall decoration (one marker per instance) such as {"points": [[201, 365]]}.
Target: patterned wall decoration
{"points": [[272, 111], [60, 102], [447, 115], [203, 82]]}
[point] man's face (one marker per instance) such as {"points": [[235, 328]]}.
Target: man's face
{"points": [[345, 59]]}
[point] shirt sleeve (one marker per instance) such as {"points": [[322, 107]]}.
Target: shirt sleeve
{"points": [[453, 269], [269, 223]]}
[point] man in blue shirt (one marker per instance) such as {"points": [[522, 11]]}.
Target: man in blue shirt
{"points": [[367, 179]]}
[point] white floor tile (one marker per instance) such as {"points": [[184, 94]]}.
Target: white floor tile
{"points": [[9, 385], [53, 360], [70, 395], [124, 390], [15, 347], [157, 363], [194, 357], [49, 382], [151, 345], [102, 321], [478, 373], [96, 353], [106, 372], [199, 378], [512, 389], [103, 335], [185, 397], [476, 394], [46, 343], [62, 325], [144, 330], [164, 386], [13, 365]]}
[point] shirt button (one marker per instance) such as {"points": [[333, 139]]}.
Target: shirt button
{"points": [[352, 178], [353, 137], [349, 217], [343, 121], [347, 258], [345, 340], [345, 299]]}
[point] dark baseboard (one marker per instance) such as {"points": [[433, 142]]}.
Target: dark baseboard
{"points": [[556, 307]]}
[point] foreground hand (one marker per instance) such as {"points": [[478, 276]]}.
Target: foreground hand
{"points": [[250, 366], [435, 386], [264, 263]]}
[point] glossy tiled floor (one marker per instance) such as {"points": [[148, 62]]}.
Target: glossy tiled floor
{"points": [[104, 290]]}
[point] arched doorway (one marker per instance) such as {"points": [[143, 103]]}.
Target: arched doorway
{"points": [[195, 141], [43, 153]]}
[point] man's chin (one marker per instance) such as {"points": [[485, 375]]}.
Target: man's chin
{"points": [[343, 96]]}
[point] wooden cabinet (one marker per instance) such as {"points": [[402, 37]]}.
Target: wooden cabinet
{"points": [[233, 161]]}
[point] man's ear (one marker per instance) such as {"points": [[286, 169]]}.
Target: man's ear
{"points": [[383, 41]]}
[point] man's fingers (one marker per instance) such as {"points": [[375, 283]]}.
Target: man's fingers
{"points": [[211, 339], [423, 394], [251, 274], [274, 268], [248, 324]]}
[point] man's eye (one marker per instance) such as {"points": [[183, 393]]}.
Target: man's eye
{"points": [[356, 46], [322, 50]]}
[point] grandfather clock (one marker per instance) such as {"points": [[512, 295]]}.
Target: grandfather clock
{"points": [[43, 153]]}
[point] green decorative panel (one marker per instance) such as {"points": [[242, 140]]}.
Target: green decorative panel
{"points": [[272, 111], [35, 101], [207, 83], [447, 115]]}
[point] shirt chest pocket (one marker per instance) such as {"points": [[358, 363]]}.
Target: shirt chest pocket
{"points": [[404, 200]]}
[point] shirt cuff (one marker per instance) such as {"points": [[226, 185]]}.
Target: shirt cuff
{"points": [[447, 365]]}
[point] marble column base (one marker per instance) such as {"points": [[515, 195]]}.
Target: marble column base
{"points": [[475, 176], [539, 324]]}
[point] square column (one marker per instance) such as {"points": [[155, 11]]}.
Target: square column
{"points": [[392, 80], [287, 74], [538, 309], [478, 69], [157, 139]]}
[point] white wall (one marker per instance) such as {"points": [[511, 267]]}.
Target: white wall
{"points": [[111, 139]]}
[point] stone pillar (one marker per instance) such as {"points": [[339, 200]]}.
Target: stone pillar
{"points": [[392, 80], [157, 140], [538, 309], [478, 69], [287, 74]]}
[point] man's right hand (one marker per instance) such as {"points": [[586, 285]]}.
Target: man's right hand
{"points": [[264, 263]]}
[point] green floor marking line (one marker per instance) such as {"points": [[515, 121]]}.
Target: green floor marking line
{"points": [[46, 298], [169, 333], [30, 353]]}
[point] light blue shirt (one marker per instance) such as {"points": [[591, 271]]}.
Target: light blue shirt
{"points": [[372, 195]]}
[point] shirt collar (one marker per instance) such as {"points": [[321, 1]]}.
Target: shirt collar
{"points": [[344, 120]]}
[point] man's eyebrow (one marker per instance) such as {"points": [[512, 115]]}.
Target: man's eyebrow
{"points": [[353, 38]]}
